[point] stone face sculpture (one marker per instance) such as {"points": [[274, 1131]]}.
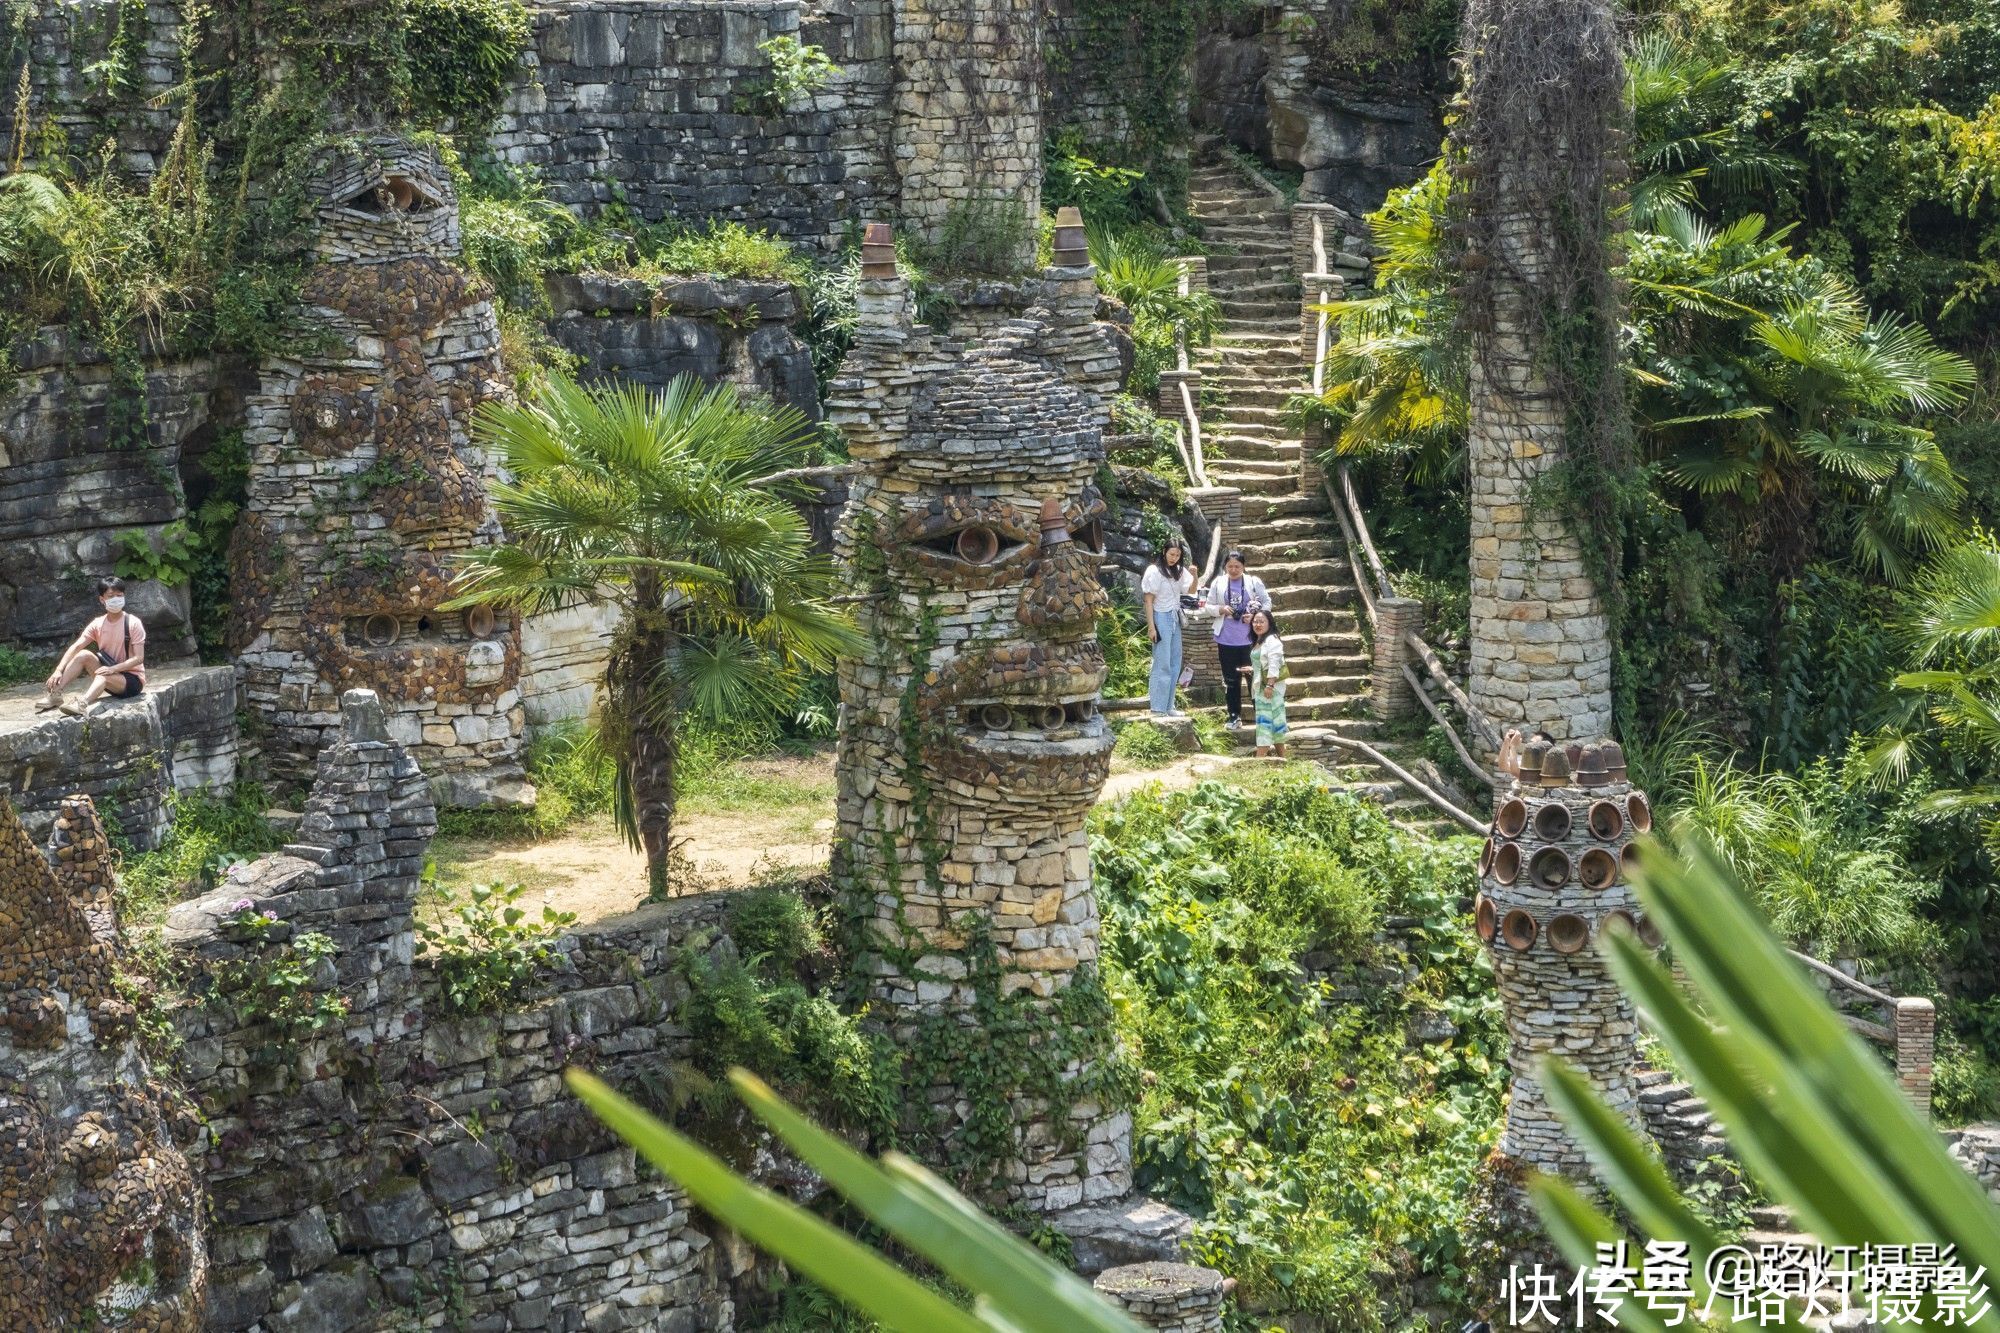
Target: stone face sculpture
{"points": [[365, 481], [971, 746], [100, 1219], [1553, 878]]}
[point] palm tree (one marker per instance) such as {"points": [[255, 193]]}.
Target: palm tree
{"points": [[1954, 637], [675, 506]]}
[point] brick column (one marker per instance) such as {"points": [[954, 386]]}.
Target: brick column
{"points": [[1395, 617], [1915, 1025]]}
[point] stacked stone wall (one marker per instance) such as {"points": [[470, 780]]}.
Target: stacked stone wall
{"points": [[408, 1167], [65, 48], [655, 105]]}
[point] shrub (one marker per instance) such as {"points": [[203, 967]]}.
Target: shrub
{"points": [[981, 235], [488, 950], [722, 249], [797, 70], [204, 838], [1128, 653], [1322, 1152], [777, 926], [462, 53], [287, 988], [1144, 745]]}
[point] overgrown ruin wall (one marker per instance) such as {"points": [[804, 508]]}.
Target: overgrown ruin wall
{"points": [[404, 1164]]}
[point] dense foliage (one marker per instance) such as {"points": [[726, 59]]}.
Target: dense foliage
{"points": [[1321, 1147]]}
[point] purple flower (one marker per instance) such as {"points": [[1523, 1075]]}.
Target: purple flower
{"points": [[244, 905]]}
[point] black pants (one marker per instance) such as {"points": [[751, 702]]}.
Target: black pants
{"points": [[1233, 657]]}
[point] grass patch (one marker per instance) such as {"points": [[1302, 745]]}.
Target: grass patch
{"points": [[206, 837]]}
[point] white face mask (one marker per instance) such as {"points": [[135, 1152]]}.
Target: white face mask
{"points": [[114, 604]]}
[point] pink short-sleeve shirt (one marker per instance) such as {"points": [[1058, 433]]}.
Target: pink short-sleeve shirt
{"points": [[117, 642]]}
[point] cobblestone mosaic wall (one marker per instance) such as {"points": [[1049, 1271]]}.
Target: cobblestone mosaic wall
{"points": [[100, 1219], [971, 746], [364, 480]]}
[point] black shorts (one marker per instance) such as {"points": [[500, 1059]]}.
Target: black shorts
{"points": [[131, 687]]}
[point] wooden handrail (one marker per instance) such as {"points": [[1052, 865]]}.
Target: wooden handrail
{"points": [[1353, 560], [1361, 527], [1407, 778], [1472, 765], [1194, 434], [1473, 716], [1192, 455], [1840, 978]]}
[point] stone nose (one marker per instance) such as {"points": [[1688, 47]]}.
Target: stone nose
{"points": [[1063, 591]]}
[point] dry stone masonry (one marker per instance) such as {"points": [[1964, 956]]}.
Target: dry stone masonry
{"points": [[365, 480], [1553, 879], [971, 746], [411, 1167], [100, 1216]]}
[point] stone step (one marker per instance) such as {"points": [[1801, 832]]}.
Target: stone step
{"points": [[1234, 465], [1261, 507], [1247, 448], [1289, 527], [1339, 621], [1331, 553], [1303, 574], [1269, 488], [1288, 595]]}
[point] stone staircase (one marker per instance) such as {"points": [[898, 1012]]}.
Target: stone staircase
{"points": [[1288, 536]]}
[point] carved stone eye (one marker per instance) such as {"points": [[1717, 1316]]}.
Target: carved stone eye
{"points": [[975, 545]]}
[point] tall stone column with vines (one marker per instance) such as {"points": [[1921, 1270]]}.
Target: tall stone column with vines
{"points": [[1537, 148], [967, 108], [971, 747]]}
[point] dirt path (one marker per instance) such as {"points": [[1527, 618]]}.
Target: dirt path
{"points": [[764, 819]]}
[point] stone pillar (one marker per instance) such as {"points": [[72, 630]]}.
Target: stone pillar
{"points": [[1173, 1298], [1395, 618], [1535, 216], [1915, 1027], [968, 118], [1552, 879], [364, 482], [101, 1219], [972, 750]]}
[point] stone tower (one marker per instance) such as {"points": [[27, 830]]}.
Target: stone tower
{"points": [[1552, 880], [968, 113], [100, 1218], [971, 747], [1539, 165], [364, 480]]}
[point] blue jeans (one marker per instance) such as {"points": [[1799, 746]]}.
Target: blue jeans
{"points": [[1166, 661]]}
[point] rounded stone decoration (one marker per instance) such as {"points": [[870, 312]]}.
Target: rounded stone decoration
{"points": [[1568, 933], [1513, 817], [1597, 869], [1176, 1298], [1486, 857], [1649, 933], [996, 717], [1621, 917], [1552, 822], [1550, 868], [1507, 863], [1519, 929], [480, 622], [978, 545]]}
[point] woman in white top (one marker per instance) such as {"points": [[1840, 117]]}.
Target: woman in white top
{"points": [[111, 650], [1167, 580], [1267, 683]]}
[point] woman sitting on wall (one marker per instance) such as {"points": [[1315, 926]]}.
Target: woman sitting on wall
{"points": [[1168, 580], [1234, 596], [112, 649]]}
